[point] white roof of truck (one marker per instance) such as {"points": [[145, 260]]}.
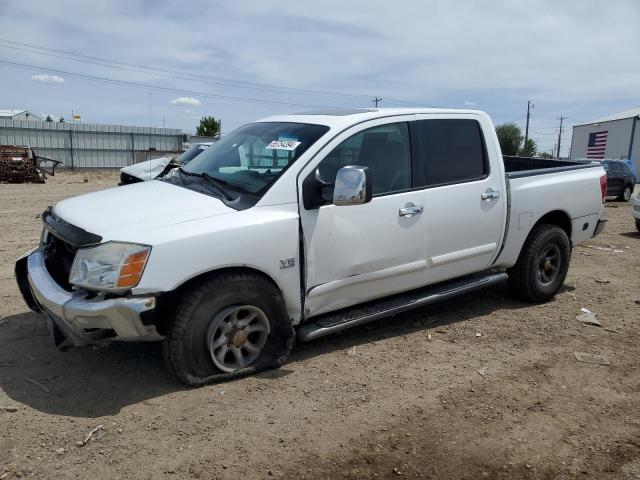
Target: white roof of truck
{"points": [[346, 117]]}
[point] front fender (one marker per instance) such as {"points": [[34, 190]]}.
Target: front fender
{"points": [[265, 239]]}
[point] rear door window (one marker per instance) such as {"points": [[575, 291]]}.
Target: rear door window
{"points": [[449, 151]]}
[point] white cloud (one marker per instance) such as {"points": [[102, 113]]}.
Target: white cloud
{"points": [[469, 103], [44, 78], [188, 101]]}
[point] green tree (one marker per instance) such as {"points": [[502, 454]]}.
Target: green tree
{"points": [[61, 120], [510, 138], [546, 155], [209, 127], [528, 149], [49, 118]]}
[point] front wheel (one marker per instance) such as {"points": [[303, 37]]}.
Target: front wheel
{"points": [[542, 265], [231, 325]]}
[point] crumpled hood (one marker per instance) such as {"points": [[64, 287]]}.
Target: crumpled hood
{"points": [[123, 213], [147, 170]]}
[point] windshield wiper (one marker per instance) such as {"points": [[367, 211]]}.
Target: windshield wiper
{"points": [[219, 184]]}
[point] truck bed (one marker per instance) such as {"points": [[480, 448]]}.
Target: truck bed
{"points": [[517, 167], [537, 186]]}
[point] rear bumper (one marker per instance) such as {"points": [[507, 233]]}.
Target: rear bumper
{"points": [[76, 319], [599, 227]]}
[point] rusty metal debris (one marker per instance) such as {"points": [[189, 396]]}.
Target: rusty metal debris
{"points": [[21, 165]]}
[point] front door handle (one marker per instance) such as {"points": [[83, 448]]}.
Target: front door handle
{"points": [[410, 210], [490, 194]]}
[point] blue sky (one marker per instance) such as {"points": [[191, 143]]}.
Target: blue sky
{"points": [[574, 58]]}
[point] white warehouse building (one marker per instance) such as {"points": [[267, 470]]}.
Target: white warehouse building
{"points": [[613, 137], [12, 114]]}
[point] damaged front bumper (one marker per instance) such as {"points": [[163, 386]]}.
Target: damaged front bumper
{"points": [[78, 318]]}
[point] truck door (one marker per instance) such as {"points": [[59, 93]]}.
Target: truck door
{"points": [[464, 202], [358, 253]]}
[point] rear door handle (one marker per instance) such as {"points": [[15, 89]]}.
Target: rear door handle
{"points": [[410, 210], [489, 195]]}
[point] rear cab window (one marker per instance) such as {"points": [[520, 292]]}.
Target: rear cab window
{"points": [[448, 151]]}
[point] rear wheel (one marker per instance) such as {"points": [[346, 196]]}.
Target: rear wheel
{"points": [[542, 265], [625, 196], [228, 326]]}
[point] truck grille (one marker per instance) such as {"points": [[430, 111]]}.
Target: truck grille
{"points": [[58, 258]]}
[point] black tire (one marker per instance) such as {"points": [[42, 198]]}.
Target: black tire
{"points": [[527, 277], [625, 196], [186, 348]]}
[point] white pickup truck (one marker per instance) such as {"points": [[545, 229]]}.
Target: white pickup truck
{"points": [[298, 226]]}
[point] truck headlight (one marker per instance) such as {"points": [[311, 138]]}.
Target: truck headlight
{"points": [[112, 266]]}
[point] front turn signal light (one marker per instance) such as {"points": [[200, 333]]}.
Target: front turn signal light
{"points": [[132, 269]]}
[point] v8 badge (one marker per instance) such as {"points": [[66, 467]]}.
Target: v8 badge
{"points": [[288, 263]]}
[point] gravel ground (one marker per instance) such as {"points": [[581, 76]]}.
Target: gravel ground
{"points": [[479, 387]]}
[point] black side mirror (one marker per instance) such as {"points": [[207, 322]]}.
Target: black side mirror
{"points": [[312, 189]]}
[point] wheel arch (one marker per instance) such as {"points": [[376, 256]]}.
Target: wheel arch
{"points": [[166, 302], [559, 218], [203, 276]]}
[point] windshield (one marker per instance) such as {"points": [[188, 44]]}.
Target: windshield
{"points": [[192, 152], [251, 158]]}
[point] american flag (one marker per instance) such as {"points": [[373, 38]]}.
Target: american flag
{"points": [[597, 145]]}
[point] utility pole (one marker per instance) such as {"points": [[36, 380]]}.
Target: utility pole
{"points": [[526, 131], [560, 135], [376, 100]]}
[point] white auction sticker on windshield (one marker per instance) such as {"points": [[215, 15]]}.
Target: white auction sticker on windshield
{"points": [[283, 145]]}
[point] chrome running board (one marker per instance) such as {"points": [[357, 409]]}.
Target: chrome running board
{"points": [[368, 312]]}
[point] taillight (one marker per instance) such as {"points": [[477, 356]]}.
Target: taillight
{"points": [[603, 187]]}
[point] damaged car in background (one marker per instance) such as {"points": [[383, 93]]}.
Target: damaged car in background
{"points": [[299, 226], [158, 167]]}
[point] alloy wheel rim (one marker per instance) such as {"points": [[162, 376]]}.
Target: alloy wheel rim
{"points": [[549, 265], [627, 193], [236, 337]]}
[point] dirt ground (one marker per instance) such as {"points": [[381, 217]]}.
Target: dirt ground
{"points": [[478, 387]]}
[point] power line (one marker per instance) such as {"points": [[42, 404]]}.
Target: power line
{"points": [[541, 133], [156, 87], [78, 57]]}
